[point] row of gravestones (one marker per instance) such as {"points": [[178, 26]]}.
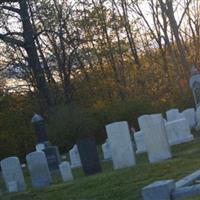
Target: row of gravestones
{"points": [[38, 168], [157, 136], [178, 128], [120, 147]]}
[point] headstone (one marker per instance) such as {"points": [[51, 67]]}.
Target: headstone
{"points": [[140, 143], [38, 168], [75, 157], [120, 145], [40, 129], [13, 175], [178, 131], [106, 151], [159, 190], [155, 137], [173, 114], [40, 147], [195, 85], [89, 156], [53, 157], [190, 116], [66, 171]]}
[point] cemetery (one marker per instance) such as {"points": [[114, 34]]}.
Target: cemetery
{"points": [[99, 100]]}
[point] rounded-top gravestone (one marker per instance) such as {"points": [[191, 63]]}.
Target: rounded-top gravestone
{"points": [[13, 175], [38, 168]]}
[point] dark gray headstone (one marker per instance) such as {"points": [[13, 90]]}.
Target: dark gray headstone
{"points": [[40, 129], [89, 156], [53, 157]]}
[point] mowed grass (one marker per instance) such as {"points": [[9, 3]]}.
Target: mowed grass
{"points": [[125, 184]]}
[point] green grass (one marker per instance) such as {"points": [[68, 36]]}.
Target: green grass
{"points": [[123, 184]]}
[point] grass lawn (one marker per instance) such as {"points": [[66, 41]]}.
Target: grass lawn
{"points": [[123, 184]]}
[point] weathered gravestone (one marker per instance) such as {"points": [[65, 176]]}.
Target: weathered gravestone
{"points": [[195, 85], [190, 116], [174, 114], [38, 168], [120, 145], [40, 129], [13, 175], [75, 157], [65, 171], [106, 151], [139, 140], [178, 131], [53, 157], [89, 156], [155, 137]]}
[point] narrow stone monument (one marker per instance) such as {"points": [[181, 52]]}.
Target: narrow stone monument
{"points": [[66, 171], [106, 151], [155, 137], [53, 157], [195, 85], [75, 157], [13, 174], [40, 129], [89, 156], [120, 145], [178, 131], [140, 143], [38, 168]]}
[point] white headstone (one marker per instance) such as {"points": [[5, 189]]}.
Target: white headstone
{"points": [[120, 145], [155, 137], [173, 114], [178, 131], [40, 147], [106, 151], [38, 168], [75, 157], [66, 171], [190, 116], [12, 174], [140, 143]]}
